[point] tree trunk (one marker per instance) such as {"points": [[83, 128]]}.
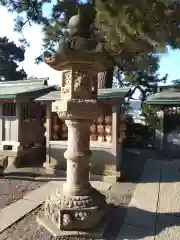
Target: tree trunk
{"points": [[105, 79]]}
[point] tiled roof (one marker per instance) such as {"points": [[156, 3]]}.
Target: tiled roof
{"points": [[12, 89], [165, 97]]}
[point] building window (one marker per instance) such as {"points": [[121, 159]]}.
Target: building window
{"points": [[9, 110], [32, 111]]}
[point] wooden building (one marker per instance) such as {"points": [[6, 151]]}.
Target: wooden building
{"points": [[107, 133], [30, 127], [167, 102], [22, 119]]}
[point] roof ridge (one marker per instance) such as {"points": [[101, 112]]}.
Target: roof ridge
{"points": [[35, 81]]}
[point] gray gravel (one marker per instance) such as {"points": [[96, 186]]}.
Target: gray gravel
{"points": [[28, 229], [13, 190], [119, 195]]}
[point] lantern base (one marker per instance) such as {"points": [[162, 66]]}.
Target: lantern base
{"points": [[70, 215], [96, 233]]}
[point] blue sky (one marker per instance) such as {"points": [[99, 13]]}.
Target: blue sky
{"points": [[169, 63]]}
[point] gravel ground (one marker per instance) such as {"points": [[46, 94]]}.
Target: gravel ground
{"points": [[13, 190], [119, 195], [134, 161], [28, 229]]}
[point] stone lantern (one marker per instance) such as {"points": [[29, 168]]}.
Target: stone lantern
{"points": [[78, 206]]}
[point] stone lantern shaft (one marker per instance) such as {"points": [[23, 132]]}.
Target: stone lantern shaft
{"points": [[77, 156]]}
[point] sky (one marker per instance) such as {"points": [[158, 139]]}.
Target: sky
{"points": [[34, 35], [169, 63]]}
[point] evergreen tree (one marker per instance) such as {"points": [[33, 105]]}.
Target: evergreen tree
{"points": [[10, 55], [140, 74], [135, 30]]}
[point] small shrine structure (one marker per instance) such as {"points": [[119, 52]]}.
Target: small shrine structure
{"points": [[21, 119], [31, 128], [167, 102], [106, 134]]}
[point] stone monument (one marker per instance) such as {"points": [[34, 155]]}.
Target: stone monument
{"points": [[79, 206]]}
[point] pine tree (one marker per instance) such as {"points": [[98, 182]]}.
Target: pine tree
{"points": [[134, 30], [10, 55]]}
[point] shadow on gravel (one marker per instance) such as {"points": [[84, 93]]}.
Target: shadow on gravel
{"points": [[133, 163], [137, 227], [30, 176]]}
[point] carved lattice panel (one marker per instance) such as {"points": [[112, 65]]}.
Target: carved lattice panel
{"points": [[82, 85], [66, 85]]}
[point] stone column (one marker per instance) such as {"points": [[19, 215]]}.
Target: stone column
{"points": [[77, 156]]}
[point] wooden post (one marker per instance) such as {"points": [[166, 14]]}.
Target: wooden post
{"points": [[48, 133], [19, 121], [165, 143], [160, 136], [115, 131], [1, 123]]}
